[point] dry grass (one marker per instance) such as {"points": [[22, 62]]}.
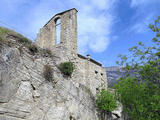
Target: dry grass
{"points": [[48, 73], [4, 32]]}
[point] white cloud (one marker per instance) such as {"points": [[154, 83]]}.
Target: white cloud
{"points": [[138, 2], [100, 45], [145, 14], [138, 28], [94, 27], [135, 3], [97, 30], [142, 26]]}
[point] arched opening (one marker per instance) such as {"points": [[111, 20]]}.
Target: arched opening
{"points": [[58, 31]]}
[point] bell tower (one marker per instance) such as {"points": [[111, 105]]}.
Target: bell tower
{"points": [[48, 37]]}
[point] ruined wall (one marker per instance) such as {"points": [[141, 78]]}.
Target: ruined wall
{"points": [[68, 35], [88, 72], [94, 76]]}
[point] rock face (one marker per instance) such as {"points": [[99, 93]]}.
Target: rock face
{"points": [[113, 74], [25, 94]]}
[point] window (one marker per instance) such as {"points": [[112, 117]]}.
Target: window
{"points": [[58, 31]]}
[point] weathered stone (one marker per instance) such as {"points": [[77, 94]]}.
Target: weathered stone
{"points": [[26, 95], [9, 80]]}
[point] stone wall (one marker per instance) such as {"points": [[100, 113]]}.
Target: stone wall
{"points": [[88, 72], [68, 34], [94, 76], [26, 95], [24, 92]]}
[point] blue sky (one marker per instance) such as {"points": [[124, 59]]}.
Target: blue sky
{"points": [[106, 28]]}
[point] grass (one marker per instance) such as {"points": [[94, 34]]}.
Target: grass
{"points": [[4, 32]]}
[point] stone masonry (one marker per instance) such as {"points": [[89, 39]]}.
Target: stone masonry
{"points": [[92, 72], [24, 92]]}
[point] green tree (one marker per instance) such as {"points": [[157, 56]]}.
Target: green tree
{"points": [[106, 103], [140, 93]]}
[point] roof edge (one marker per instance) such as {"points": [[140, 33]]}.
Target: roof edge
{"points": [[60, 14]]}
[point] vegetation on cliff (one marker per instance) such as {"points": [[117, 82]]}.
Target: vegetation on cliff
{"points": [[106, 102], [48, 73], [11, 38], [5, 32], [66, 68]]}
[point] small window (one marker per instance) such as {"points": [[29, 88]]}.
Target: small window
{"points": [[97, 89], [58, 31], [96, 71], [101, 74]]}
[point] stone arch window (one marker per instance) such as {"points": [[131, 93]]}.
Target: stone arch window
{"points": [[58, 30]]}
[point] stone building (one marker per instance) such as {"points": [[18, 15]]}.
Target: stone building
{"points": [[25, 94], [88, 71]]}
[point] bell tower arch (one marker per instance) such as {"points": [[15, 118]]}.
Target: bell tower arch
{"points": [[67, 34]]}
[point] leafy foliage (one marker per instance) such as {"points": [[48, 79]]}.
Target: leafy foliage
{"points": [[136, 99], [48, 73], [140, 94], [66, 68], [106, 101]]}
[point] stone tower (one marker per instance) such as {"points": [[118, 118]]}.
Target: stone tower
{"points": [[47, 37]]}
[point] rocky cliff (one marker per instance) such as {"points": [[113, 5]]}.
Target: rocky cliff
{"points": [[113, 74], [25, 94]]}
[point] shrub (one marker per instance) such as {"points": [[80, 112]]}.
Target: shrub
{"points": [[70, 117], [105, 102], [48, 73], [66, 68], [47, 53], [33, 48]]}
